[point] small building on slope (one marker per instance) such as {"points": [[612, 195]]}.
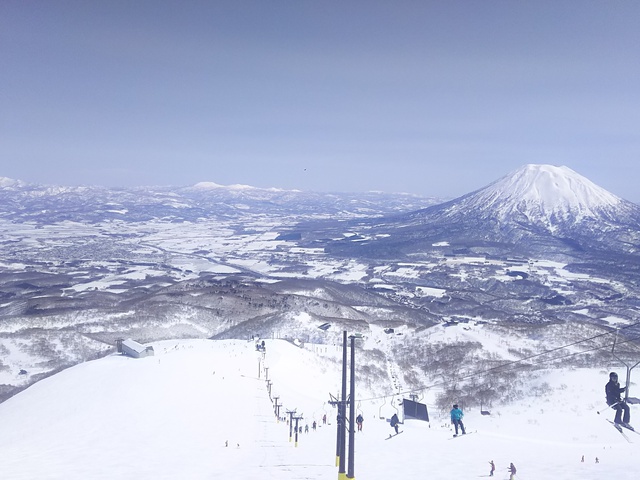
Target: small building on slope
{"points": [[131, 348]]}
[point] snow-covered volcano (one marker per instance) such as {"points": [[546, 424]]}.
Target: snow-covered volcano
{"points": [[537, 208], [543, 206], [545, 191], [554, 198], [543, 196]]}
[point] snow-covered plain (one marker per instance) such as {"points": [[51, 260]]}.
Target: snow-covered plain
{"points": [[171, 416], [195, 248]]}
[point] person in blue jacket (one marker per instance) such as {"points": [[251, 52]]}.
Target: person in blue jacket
{"points": [[456, 419]]}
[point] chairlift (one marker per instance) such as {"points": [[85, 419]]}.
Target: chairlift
{"points": [[393, 401], [629, 367], [380, 409]]}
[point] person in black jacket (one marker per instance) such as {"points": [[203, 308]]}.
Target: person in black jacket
{"points": [[359, 421], [394, 422], [613, 391]]}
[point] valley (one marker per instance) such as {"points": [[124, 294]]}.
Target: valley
{"points": [[70, 288], [77, 288]]}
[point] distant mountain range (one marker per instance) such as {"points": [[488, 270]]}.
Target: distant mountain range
{"points": [[535, 209], [20, 201]]}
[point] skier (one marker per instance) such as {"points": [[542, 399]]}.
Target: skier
{"points": [[512, 471], [359, 421], [613, 391], [456, 419], [493, 468], [395, 422]]}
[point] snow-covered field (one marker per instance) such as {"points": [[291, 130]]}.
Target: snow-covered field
{"points": [[194, 248], [200, 409]]}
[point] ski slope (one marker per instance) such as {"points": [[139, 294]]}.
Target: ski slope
{"points": [[172, 416]]}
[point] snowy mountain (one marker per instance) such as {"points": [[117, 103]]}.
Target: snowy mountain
{"points": [[47, 204], [10, 183], [546, 195], [536, 209]]}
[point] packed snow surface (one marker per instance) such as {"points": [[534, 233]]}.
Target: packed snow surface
{"points": [[200, 409]]}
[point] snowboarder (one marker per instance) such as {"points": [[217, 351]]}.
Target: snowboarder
{"points": [[613, 391], [493, 468], [456, 419], [512, 471], [359, 421], [394, 422]]}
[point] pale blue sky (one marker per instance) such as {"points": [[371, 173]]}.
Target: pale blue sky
{"points": [[430, 97]]}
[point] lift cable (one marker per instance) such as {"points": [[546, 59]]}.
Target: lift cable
{"points": [[520, 361]]}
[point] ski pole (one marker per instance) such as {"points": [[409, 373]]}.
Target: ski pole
{"points": [[610, 406]]}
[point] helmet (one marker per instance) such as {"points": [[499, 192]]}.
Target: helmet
{"points": [[613, 376], [455, 405]]}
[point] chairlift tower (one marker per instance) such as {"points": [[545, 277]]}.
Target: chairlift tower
{"points": [[345, 423], [297, 429], [291, 412]]}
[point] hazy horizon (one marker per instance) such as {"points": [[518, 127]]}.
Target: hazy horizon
{"points": [[431, 98]]}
